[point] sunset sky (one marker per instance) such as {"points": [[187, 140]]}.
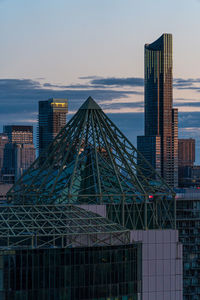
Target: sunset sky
{"points": [[76, 48]]}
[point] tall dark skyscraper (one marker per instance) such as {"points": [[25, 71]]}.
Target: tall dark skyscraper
{"points": [[160, 142], [51, 118]]}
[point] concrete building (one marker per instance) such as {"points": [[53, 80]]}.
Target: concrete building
{"points": [[161, 263], [159, 145]]}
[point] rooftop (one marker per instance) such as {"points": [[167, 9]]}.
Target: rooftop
{"points": [[91, 161], [47, 226]]}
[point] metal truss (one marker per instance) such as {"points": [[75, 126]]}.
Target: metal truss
{"points": [[47, 226], [91, 161]]}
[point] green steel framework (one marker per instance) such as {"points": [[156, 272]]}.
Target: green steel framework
{"points": [[56, 226], [92, 162]]}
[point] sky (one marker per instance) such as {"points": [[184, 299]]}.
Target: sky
{"points": [[78, 48]]}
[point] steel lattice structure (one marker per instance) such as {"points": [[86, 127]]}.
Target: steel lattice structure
{"points": [[47, 226], [91, 161]]}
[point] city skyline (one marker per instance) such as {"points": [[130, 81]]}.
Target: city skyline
{"points": [[91, 186], [95, 49]]}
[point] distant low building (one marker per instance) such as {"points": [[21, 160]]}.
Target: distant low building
{"points": [[186, 159], [4, 188], [51, 119], [19, 134], [3, 142], [17, 151]]}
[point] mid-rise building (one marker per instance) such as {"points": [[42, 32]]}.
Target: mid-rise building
{"points": [[18, 151], [161, 120], [19, 134], [24, 156], [186, 159], [51, 119], [186, 152], [3, 141]]}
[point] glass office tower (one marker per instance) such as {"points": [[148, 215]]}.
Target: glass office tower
{"points": [[51, 119], [160, 117]]}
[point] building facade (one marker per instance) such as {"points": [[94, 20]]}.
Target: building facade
{"points": [[87, 258], [18, 151], [188, 224], [161, 120], [186, 159], [19, 134], [24, 156], [3, 142], [51, 119], [4, 188]]}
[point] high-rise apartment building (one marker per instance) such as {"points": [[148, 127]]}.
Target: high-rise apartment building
{"points": [[51, 118], [160, 142]]}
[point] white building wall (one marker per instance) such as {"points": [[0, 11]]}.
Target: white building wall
{"points": [[162, 272], [162, 267]]}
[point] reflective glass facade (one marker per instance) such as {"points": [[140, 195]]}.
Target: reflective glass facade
{"points": [[160, 118], [112, 272], [51, 119]]}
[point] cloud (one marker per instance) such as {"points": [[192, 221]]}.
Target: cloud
{"points": [[20, 84], [89, 77], [189, 84], [114, 81], [19, 98], [19, 104], [178, 83], [126, 110], [72, 86]]}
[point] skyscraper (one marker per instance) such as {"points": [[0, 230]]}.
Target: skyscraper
{"points": [[51, 118], [160, 142]]}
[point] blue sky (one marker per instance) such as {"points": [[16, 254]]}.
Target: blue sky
{"points": [[77, 48]]}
